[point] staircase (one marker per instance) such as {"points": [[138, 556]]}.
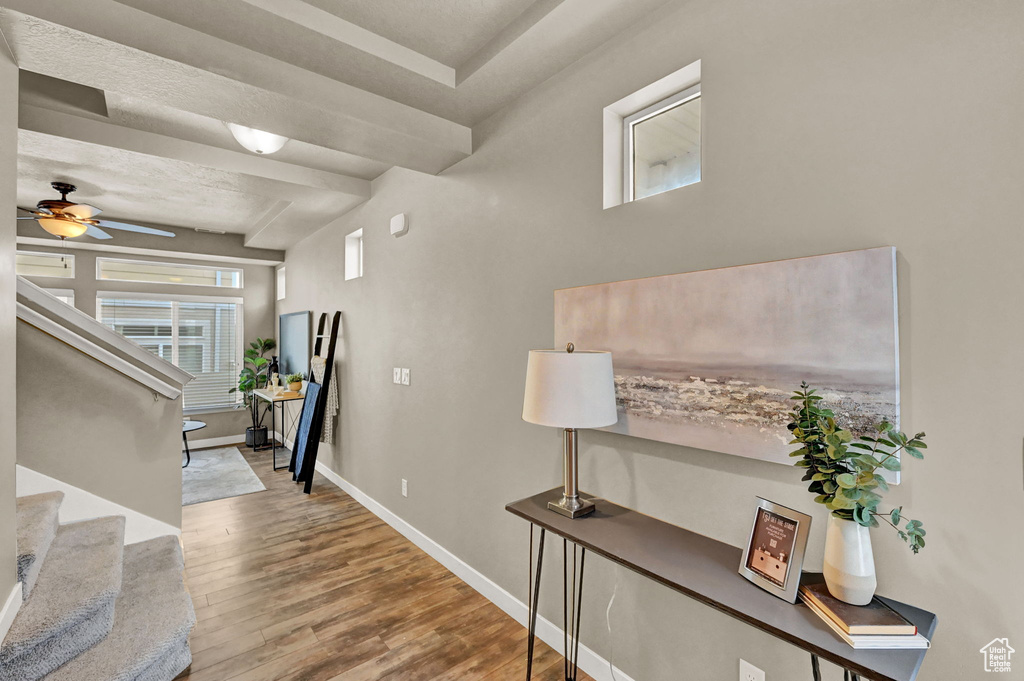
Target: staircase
{"points": [[94, 609]]}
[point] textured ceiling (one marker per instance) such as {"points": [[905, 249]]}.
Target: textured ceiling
{"points": [[132, 107], [449, 31]]}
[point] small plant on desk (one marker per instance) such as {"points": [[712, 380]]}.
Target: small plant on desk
{"points": [[294, 381]]}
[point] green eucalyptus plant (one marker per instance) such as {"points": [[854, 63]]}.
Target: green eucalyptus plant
{"points": [[843, 473], [255, 374], [294, 378]]}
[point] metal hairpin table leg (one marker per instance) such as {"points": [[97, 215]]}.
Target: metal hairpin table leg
{"points": [[572, 601], [815, 669], [188, 454], [854, 677], [534, 598]]}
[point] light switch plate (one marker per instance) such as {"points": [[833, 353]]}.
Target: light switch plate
{"points": [[405, 377], [405, 487], [397, 375]]}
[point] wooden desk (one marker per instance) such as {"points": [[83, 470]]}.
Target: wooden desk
{"points": [[706, 569], [268, 395]]}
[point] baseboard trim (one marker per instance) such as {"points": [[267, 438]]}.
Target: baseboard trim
{"points": [[222, 441], [81, 505], [589, 661], [10, 610]]}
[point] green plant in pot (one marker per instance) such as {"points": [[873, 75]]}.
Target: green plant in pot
{"points": [[255, 374], [294, 381], [846, 476]]}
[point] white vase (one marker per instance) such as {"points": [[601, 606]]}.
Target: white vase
{"points": [[849, 562]]}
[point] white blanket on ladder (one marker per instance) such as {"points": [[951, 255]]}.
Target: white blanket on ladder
{"points": [[319, 365]]}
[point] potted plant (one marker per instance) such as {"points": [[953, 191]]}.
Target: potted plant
{"points": [[294, 381], [255, 374], [844, 476]]}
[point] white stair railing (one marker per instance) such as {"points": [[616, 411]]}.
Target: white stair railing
{"points": [[71, 326]]}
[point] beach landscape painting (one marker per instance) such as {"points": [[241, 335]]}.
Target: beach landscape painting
{"points": [[710, 359]]}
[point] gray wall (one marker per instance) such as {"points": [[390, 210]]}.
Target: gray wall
{"points": [[257, 304], [86, 425], [827, 127], [8, 182]]}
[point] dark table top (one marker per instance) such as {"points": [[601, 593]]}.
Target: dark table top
{"points": [[707, 570]]}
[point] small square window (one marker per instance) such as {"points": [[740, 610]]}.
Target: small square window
{"points": [[661, 145], [354, 255]]}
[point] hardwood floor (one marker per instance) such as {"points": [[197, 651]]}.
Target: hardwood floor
{"points": [[309, 588]]}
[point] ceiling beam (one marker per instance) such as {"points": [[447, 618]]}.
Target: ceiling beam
{"points": [[113, 47], [58, 124], [336, 28]]}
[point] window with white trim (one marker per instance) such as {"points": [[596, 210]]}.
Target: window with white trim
{"points": [[198, 334], [661, 146], [116, 269], [33, 264], [354, 255], [282, 280]]}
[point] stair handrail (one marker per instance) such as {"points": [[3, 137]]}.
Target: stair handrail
{"points": [[80, 331]]}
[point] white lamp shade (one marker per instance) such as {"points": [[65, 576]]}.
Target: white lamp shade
{"points": [[570, 389], [257, 141]]}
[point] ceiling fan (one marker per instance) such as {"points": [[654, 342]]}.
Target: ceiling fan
{"points": [[67, 220]]}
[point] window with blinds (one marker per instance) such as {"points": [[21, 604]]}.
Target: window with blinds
{"points": [[201, 337]]}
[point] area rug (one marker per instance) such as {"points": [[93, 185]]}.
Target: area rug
{"points": [[217, 474]]}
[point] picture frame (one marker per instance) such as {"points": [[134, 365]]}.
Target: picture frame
{"points": [[773, 556]]}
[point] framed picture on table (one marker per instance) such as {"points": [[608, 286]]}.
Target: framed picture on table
{"points": [[774, 554]]}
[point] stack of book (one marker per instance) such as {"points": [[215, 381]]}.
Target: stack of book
{"points": [[872, 626]]}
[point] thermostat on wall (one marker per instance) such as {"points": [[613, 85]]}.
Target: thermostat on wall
{"points": [[399, 225]]}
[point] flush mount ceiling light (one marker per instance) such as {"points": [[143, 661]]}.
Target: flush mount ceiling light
{"points": [[257, 141]]}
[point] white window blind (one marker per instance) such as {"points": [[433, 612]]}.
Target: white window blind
{"points": [[198, 336]]}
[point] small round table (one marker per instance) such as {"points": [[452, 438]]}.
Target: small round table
{"points": [[186, 428]]}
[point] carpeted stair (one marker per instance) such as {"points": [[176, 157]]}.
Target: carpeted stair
{"points": [[37, 526], [98, 610]]}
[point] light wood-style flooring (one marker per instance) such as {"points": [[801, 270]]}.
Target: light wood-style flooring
{"points": [[309, 588]]}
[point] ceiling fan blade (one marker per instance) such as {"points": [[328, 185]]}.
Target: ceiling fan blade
{"points": [[34, 211], [82, 211], [132, 228], [26, 217], [97, 233]]}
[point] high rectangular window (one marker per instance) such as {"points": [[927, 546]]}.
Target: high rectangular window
{"points": [[354, 255], [662, 146], [282, 280], [200, 335], [115, 269], [32, 264]]}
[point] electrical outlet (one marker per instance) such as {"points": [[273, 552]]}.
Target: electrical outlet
{"points": [[405, 377], [396, 376], [405, 487], [749, 672]]}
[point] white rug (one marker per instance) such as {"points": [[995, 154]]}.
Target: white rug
{"points": [[217, 474]]}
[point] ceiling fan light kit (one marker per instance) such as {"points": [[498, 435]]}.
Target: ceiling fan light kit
{"points": [[66, 220], [257, 141], [62, 227]]}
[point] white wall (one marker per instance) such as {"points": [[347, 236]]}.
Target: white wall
{"points": [[827, 127], [8, 180], [91, 427]]}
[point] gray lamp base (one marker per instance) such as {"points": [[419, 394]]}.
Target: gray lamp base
{"points": [[572, 508]]}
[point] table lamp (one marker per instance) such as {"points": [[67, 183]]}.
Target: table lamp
{"points": [[571, 390]]}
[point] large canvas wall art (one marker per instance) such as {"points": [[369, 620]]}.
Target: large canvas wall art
{"points": [[709, 359]]}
